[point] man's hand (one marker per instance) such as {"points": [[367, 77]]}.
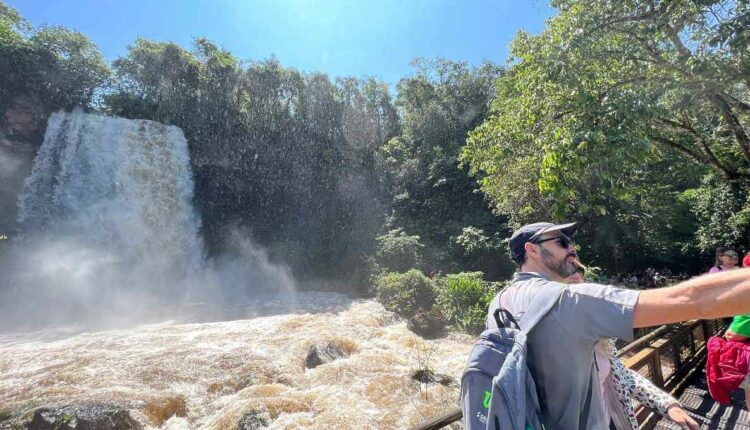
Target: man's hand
{"points": [[680, 417]]}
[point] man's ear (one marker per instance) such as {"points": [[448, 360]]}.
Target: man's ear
{"points": [[529, 248]]}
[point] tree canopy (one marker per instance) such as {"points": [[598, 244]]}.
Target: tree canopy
{"points": [[431, 195], [52, 66], [614, 111]]}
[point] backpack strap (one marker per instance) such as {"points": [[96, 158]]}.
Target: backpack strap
{"points": [[504, 319], [541, 305]]}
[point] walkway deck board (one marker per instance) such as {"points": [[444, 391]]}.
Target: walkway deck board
{"points": [[711, 415]]}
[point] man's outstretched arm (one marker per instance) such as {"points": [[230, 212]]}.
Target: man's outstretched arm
{"points": [[722, 294]]}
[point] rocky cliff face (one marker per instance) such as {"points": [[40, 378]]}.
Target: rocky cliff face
{"points": [[22, 130]]}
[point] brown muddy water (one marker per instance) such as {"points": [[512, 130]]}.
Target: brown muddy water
{"points": [[205, 375]]}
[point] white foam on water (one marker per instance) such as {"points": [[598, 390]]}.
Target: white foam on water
{"points": [[226, 369]]}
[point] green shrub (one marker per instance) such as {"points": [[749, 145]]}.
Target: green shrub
{"points": [[473, 241], [596, 274], [464, 298], [405, 293], [398, 252]]}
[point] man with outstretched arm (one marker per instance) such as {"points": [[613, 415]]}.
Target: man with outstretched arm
{"points": [[561, 346]]}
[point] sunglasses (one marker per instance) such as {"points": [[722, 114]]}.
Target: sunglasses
{"points": [[564, 241]]}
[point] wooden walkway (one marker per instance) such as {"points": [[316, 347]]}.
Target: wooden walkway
{"points": [[696, 400]]}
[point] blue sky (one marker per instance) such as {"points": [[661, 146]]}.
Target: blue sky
{"points": [[338, 37]]}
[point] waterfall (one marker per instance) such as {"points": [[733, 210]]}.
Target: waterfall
{"points": [[108, 205]]}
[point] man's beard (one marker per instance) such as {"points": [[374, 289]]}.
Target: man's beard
{"points": [[563, 268]]}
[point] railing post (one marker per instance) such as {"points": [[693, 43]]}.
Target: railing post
{"points": [[693, 347], [706, 331], [657, 374]]}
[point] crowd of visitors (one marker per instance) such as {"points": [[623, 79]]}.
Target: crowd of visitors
{"points": [[648, 278]]}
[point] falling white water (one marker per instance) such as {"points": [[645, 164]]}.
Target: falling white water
{"points": [[107, 223], [116, 184]]}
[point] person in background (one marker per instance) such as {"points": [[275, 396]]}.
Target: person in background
{"points": [[727, 259], [629, 385], [739, 331]]}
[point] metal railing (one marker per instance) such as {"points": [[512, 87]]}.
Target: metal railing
{"points": [[668, 356]]}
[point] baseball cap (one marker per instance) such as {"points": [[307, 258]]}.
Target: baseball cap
{"points": [[531, 232]]}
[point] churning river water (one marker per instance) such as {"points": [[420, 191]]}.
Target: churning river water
{"points": [[212, 373]]}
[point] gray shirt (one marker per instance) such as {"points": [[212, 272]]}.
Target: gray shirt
{"points": [[561, 346]]}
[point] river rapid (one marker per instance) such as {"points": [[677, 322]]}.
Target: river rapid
{"points": [[212, 373]]}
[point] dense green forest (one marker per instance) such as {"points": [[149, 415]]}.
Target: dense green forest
{"points": [[630, 117]]}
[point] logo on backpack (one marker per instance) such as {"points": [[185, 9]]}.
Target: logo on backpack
{"points": [[487, 398]]}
